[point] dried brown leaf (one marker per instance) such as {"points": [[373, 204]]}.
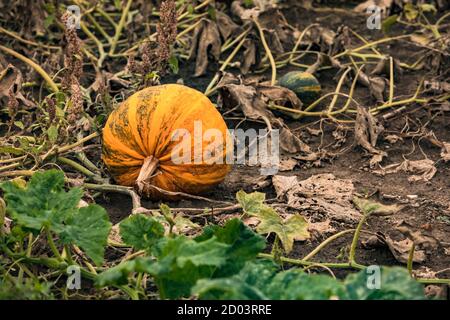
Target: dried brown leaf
{"points": [[393, 138], [11, 84], [205, 42], [400, 250], [420, 238], [226, 26], [290, 143], [384, 5], [376, 85], [445, 152], [424, 169], [253, 104], [322, 194], [287, 164], [383, 68], [244, 14], [367, 130], [250, 57], [280, 95], [320, 229]]}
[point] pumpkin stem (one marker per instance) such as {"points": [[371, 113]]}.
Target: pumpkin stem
{"points": [[148, 168]]}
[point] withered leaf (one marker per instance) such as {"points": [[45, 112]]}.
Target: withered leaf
{"points": [[383, 68], [290, 143], [322, 194], [384, 5], [376, 208], [424, 169], [205, 42], [319, 229], [246, 97], [250, 57], [287, 164], [103, 80], [244, 14], [393, 138], [445, 153], [422, 239], [227, 27], [342, 40], [367, 130], [377, 85], [254, 106], [322, 36], [400, 250], [280, 95], [11, 84]]}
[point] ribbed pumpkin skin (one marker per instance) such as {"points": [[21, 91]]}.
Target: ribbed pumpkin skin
{"points": [[143, 126], [304, 84]]}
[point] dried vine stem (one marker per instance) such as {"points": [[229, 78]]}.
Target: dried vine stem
{"points": [[119, 27], [34, 65], [268, 52]]}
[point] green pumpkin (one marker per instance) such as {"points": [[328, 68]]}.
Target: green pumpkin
{"points": [[304, 84]]}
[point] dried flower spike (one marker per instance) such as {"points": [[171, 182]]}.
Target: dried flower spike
{"points": [[73, 63]]}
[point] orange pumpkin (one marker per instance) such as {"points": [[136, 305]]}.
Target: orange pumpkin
{"points": [[152, 140]]}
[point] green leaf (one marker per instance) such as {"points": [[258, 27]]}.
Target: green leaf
{"points": [[118, 4], [48, 21], [167, 213], [182, 261], [395, 284], [212, 13], [119, 274], [248, 3], [190, 9], [19, 124], [244, 245], [43, 203], [262, 280], [294, 228], [251, 202], [28, 289], [387, 23], [369, 206], [2, 213], [218, 252], [88, 228], [226, 289], [52, 133], [246, 285], [295, 284], [182, 222], [173, 64], [425, 7], [11, 150], [141, 232], [411, 12]]}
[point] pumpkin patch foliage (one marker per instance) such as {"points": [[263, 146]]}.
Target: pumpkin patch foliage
{"points": [[222, 262]]}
